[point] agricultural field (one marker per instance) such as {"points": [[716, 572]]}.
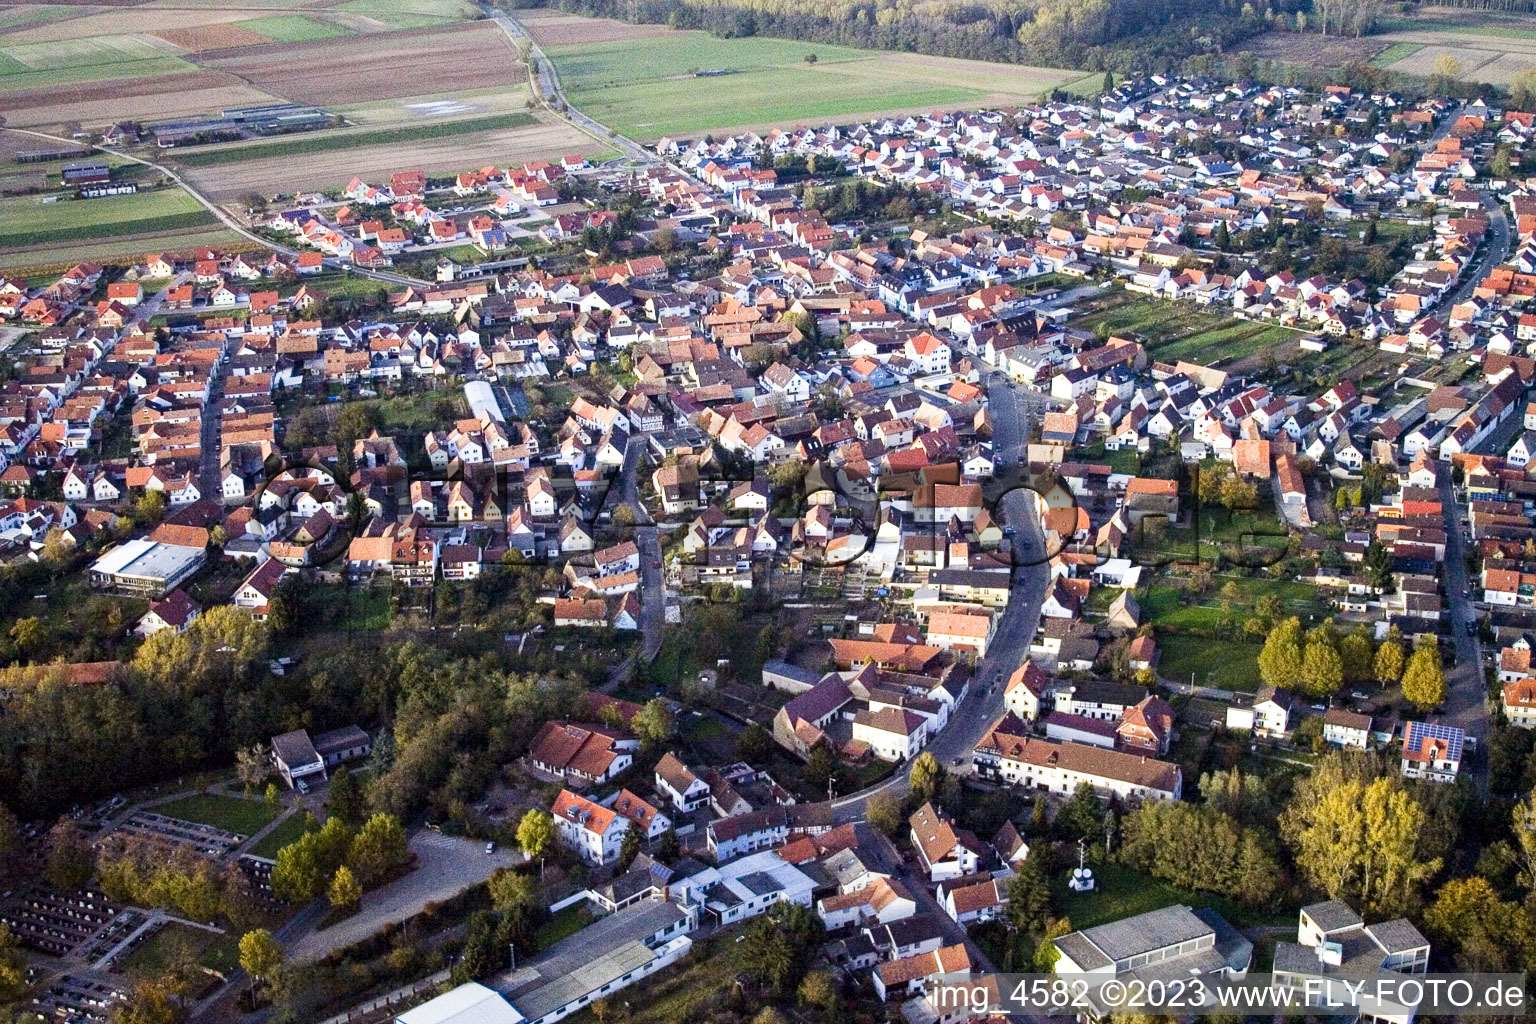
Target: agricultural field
{"points": [[49, 258], [655, 89], [329, 167], [27, 220], [1488, 47], [294, 28], [360, 68]]}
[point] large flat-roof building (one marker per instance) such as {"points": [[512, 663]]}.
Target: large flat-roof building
{"points": [[146, 568], [598, 961]]}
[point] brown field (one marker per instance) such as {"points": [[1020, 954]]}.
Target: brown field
{"points": [[197, 38], [550, 27], [158, 96], [355, 69], [1314, 50], [117, 21], [332, 169]]}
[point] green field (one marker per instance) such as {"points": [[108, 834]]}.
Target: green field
{"points": [[348, 139], [293, 28], [651, 89], [230, 813], [1486, 28], [1123, 892], [27, 220], [1395, 53], [63, 62], [411, 13], [1232, 340], [18, 16], [1155, 320], [288, 832]]}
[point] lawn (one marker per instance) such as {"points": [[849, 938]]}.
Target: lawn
{"points": [[562, 926], [652, 90], [1231, 340], [293, 28], [1124, 892], [230, 813], [1225, 664], [1156, 321], [327, 141], [288, 832], [27, 220], [173, 944], [1124, 460], [1437, 25]]}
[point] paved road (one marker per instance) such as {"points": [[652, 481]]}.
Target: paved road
{"points": [[224, 217], [1016, 628], [1466, 703], [547, 83], [445, 865]]}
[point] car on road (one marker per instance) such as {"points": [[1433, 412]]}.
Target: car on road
{"points": [[1358, 695], [656, 565], [490, 848]]}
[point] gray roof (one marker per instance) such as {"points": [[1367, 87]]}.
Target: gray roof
{"points": [[294, 749], [345, 738], [1333, 915], [1120, 940], [1397, 936]]}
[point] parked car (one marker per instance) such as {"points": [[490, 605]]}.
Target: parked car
{"points": [[490, 848]]}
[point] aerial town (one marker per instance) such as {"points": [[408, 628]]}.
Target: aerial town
{"points": [[764, 574]]}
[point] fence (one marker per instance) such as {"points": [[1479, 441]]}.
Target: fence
{"points": [[391, 1005]]}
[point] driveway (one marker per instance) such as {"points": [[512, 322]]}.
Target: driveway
{"points": [[445, 865]]}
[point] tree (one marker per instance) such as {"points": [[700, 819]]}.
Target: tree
{"points": [[1447, 72], [150, 1001], [1356, 834], [252, 765], [345, 892], [1046, 953], [344, 798], [1029, 897], [536, 833], [810, 58], [1322, 670], [883, 812], [1499, 166], [378, 848], [13, 967], [1488, 934], [1424, 679], [629, 848], [926, 778], [56, 550], [653, 724], [1083, 815], [753, 743], [819, 768], [260, 954], [1280, 661], [271, 794], [817, 989], [70, 858], [1355, 655], [150, 508], [513, 893], [29, 634], [1238, 492], [1524, 824], [1109, 82], [1522, 90], [1388, 665]]}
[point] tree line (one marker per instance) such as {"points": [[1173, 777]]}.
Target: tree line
{"points": [[1120, 35]]}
